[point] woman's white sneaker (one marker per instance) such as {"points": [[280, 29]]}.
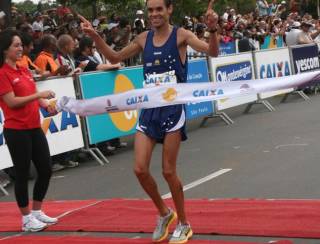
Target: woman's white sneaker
{"points": [[41, 216], [30, 223]]}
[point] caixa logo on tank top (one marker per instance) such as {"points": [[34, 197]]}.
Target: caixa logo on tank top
{"points": [[234, 72], [160, 79]]}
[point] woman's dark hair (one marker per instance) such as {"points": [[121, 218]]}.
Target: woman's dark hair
{"points": [[6, 39], [85, 42], [26, 39]]}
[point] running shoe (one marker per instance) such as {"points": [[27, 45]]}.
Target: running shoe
{"points": [[41, 216], [32, 224], [161, 231], [182, 234]]}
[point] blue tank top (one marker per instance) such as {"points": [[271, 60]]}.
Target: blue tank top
{"points": [[159, 60]]}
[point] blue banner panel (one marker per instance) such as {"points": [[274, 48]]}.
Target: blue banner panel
{"points": [[234, 72], [305, 58], [198, 72], [108, 126], [227, 48]]}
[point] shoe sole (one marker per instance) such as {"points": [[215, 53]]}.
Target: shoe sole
{"points": [[166, 233], [34, 230], [52, 223], [189, 235]]}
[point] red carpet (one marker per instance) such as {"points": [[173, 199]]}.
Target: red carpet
{"points": [[10, 217], [280, 218], [98, 240]]}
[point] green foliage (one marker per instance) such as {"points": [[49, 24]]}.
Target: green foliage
{"points": [[128, 8], [181, 7], [26, 6], [107, 7]]}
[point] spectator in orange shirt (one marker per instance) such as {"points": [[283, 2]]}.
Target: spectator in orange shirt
{"points": [[25, 60], [45, 60]]}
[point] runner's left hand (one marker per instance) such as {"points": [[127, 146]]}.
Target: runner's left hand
{"points": [[86, 26], [211, 16]]}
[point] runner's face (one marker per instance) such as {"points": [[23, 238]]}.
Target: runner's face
{"points": [[158, 13]]}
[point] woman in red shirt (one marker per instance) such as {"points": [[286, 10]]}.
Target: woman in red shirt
{"points": [[20, 102]]}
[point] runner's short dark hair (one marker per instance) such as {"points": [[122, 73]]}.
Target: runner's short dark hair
{"points": [[167, 3]]}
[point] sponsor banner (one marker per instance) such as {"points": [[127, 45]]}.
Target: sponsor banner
{"points": [[165, 95], [305, 58], [5, 158], [108, 126], [227, 48], [273, 64], [63, 131], [198, 72], [193, 54], [230, 69]]}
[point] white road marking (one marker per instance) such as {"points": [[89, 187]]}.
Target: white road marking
{"points": [[292, 145], [200, 181], [9, 237], [58, 177], [77, 209]]}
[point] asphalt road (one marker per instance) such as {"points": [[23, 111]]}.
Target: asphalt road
{"points": [[273, 155]]}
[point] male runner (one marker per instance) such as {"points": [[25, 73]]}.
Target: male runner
{"points": [[164, 50]]}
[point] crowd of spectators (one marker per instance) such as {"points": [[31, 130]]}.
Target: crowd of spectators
{"points": [[285, 23], [54, 45]]}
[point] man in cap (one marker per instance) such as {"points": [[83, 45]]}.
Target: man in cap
{"points": [[292, 35], [306, 37], [38, 22], [139, 22]]}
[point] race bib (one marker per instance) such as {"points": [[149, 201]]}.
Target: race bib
{"points": [[160, 79]]}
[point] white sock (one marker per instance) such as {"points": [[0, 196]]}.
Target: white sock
{"points": [[35, 212]]}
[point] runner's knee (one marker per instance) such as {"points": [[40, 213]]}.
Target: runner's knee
{"points": [[169, 174], [141, 172]]}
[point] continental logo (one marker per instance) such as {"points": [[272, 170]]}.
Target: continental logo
{"points": [[124, 121], [235, 71], [55, 124], [170, 95]]}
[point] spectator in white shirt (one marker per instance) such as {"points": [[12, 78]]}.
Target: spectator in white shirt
{"points": [[38, 23], [292, 35]]}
